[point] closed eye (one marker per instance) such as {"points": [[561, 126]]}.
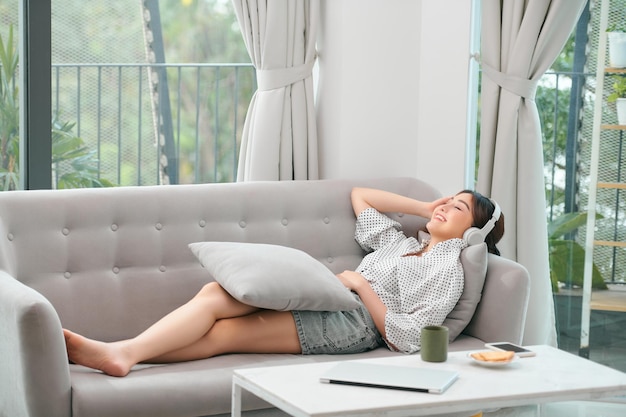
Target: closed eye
{"points": [[464, 204]]}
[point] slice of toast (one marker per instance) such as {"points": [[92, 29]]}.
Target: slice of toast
{"points": [[493, 356]]}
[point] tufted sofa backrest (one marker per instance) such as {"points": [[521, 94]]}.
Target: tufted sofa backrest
{"points": [[112, 261]]}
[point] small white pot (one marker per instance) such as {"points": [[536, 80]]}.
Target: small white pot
{"points": [[621, 111], [617, 49]]}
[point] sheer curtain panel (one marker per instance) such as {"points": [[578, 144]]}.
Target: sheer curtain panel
{"points": [[279, 139], [520, 39]]}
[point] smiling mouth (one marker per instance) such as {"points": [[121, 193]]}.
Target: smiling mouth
{"points": [[440, 218]]}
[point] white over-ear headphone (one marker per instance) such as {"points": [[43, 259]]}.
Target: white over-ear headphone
{"points": [[474, 235]]}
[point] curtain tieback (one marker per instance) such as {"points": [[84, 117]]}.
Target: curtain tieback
{"points": [[519, 86], [270, 79]]}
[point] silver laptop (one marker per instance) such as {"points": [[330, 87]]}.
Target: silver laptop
{"points": [[365, 374]]}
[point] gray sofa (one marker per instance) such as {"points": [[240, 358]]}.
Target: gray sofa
{"points": [[109, 262]]}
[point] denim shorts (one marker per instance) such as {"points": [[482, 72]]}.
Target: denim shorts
{"points": [[336, 332]]}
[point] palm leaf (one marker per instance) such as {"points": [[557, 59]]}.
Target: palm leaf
{"points": [[567, 265], [567, 223]]}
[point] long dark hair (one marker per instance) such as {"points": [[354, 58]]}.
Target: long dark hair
{"points": [[482, 211]]}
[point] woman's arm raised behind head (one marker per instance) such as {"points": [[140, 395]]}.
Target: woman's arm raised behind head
{"points": [[386, 202]]}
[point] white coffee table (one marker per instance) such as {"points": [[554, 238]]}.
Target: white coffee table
{"points": [[552, 375]]}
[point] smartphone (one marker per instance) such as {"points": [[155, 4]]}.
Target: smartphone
{"points": [[520, 351]]}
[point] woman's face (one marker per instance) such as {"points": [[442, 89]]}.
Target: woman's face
{"points": [[452, 219]]}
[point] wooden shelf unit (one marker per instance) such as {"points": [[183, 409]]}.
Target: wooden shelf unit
{"points": [[608, 300]]}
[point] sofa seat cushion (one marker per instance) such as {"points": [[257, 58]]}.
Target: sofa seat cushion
{"points": [[195, 388], [273, 276]]}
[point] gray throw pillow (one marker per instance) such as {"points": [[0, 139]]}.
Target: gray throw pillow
{"points": [[474, 261], [273, 277]]}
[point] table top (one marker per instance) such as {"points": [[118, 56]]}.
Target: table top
{"points": [[551, 375]]}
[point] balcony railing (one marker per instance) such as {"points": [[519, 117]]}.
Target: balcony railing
{"points": [[156, 123]]}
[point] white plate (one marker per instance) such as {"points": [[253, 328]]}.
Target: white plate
{"points": [[492, 364]]}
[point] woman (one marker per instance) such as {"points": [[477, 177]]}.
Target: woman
{"points": [[404, 284]]}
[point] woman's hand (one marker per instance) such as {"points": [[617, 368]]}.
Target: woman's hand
{"points": [[432, 206], [357, 283], [352, 280]]}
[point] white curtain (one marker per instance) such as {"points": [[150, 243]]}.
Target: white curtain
{"points": [[280, 135], [520, 39]]}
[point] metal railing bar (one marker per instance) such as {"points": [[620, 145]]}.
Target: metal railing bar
{"points": [[56, 115], [179, 87], [78, 89], [139, 124], [159, 123], [197, 138], [99, 122], [159, 115], [119, 124], [235, 121], [56, 91], [157, 133], [216, 113]]}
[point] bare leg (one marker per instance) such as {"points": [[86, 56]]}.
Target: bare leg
{"points": [[182, 327], [264, 331]]}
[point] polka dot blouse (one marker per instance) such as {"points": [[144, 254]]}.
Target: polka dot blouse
{"points": [[417, 290]]}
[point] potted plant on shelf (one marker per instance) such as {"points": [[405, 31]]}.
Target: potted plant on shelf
{"points": [[619, 97], [617, 45]]}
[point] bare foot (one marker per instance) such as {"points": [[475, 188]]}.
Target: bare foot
{"points": [[106, 357]]}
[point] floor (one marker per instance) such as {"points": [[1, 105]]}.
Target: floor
{"points": [[613, 355], [607, 339]]}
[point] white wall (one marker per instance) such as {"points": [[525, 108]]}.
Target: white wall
{"points": [[393, 89]]}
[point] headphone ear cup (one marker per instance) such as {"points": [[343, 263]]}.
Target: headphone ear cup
{"points": [[476, 236], [473, 236]]}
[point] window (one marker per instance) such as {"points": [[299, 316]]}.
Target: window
{"points": [[144, 94]]}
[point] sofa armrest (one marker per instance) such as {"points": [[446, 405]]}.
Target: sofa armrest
{"points": [[501, 312], [34, 370]]}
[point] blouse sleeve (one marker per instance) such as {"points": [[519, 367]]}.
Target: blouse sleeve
{"points": [[375, 230]]}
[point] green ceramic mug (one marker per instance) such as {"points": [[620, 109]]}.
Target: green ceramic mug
{"points": [[434, 343]]}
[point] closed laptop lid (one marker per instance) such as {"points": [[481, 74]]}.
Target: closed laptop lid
{"points": [[390, 376]]}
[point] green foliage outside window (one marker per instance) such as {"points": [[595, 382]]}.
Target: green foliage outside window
{"points": [[567, 257], [619, 90], [73, 163], [9, 115]]}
